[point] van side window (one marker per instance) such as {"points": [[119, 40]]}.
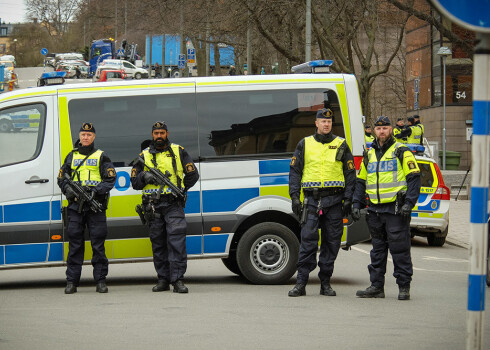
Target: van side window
{"points": [[22, 133], [261, 122], [123, 123]]}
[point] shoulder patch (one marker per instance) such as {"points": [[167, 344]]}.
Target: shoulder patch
{"points": [[111, 172], [189, 167], [350, 165], [133, 172], [293, 161], [60, 174], [411, 165]]}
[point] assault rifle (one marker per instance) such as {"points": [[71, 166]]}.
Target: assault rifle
{"points": [[164, 180], [83, 196]]}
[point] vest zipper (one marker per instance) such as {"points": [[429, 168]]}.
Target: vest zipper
{"points": [[377, 178]]}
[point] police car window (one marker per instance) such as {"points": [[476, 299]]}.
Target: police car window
{"points": [[261, 122], [426, 177], [21, 133], [124, 123]]}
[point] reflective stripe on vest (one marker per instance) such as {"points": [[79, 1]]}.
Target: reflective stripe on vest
{"points": [[385, 178], [321, 169], [89, 172], [164, 163]]}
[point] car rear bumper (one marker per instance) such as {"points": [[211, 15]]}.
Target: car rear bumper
{"points": [[430, 222]]}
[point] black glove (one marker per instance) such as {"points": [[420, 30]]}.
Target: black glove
{"points": [[149, 179], [69, 193], [356, 214], [406, 210], [346, 208], [296, 206]]}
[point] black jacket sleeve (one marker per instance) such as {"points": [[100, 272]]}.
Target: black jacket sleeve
{"points": [[137, 173], [404, 133], [413, 188], [191, 175], [107, 174], [65, 169], [349, 170], [359, 199], [296, 170]]}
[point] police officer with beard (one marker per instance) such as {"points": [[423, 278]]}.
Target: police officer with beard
{"points": [[323, 167], [167, 222], [390, 176], [91, 168]]}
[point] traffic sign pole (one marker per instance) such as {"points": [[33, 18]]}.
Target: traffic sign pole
{"points": [[480, 152]]}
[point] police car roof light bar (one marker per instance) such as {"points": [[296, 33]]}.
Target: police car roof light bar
{"points": [[52, 78], [318, 66]]}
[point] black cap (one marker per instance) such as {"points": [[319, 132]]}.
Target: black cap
{"points": [[159, 126], [367, 126], [411, 119], [399, 118], [87, 127], [325, 113], [382, 121], [416, 116]]}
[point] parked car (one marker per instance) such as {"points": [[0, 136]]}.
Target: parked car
{"points": [[430, 216], [71, 70], [130, 69], [112, 75]]}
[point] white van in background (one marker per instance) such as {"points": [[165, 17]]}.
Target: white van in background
{"points": [[130, 69]]}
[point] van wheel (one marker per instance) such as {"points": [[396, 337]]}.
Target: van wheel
{"points": [[5, 125], [267, 254], [137, 76], [231, 264], [175, 73], [435, 241]]}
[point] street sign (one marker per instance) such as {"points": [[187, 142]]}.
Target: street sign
{"points": [[471, 14], [417, 85], [191, 57], [181, 61], [44, 51]]}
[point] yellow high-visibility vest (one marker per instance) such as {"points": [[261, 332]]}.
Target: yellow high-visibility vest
{"points": [[164, 163], [88, 174]]}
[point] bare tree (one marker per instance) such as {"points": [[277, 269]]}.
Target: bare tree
{"points": [[54, 15]]}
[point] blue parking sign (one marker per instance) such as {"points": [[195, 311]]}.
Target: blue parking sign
{"points": [[181, 61]]}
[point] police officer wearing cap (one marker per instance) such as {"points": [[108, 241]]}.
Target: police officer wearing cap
{"points": [[400, 131], [323, 168], [91, 168], [390, 176], [167, 225], [368, 136], [415, 133]]}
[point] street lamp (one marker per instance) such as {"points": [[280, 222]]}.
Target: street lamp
{"points": [[444, 52], [15, 47]]}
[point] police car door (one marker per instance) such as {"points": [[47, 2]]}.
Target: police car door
{"points": [[27, 180]]}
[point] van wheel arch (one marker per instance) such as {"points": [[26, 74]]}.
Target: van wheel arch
{"points": [[6, 125]]}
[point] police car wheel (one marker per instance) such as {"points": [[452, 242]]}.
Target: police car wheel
{"points": [[5, 125], [137, 76], [437, 241], [231, 264], [267, 254]]}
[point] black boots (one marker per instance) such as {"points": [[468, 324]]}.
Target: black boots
{"points": [[101, 287], [179, 287], [297, 291], [371, 292], [161, 286], [404, 293], [70, 288], [326, 289]]}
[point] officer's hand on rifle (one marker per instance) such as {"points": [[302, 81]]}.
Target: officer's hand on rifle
{"points": [[69, 193], [149, 178], [346, 208], [296, 206], [356, 214], [406, 210]]}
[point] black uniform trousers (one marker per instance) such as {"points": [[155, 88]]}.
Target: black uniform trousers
{"points": [[389, 231], [331, 225], [97, 227], [168, 235]]}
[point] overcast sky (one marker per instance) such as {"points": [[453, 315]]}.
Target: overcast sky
{"points": [[12, 11]]}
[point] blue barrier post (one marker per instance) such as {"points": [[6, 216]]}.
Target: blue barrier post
{"points": [[2, 77]]}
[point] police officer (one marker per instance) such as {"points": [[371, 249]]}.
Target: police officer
{"points": [[92, 168], [400, 131], [415, 136], [167, 222], [323, 167], [368, 136], [420, 125], [390, 176]]}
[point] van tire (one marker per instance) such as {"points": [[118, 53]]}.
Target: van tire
{"points": [[437, 240], [231, 264], [175, 73], [274, 242], [6, 125], [137, 76]]}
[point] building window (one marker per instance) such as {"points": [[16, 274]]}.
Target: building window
{"points": [[3, 31], [2, 48]]}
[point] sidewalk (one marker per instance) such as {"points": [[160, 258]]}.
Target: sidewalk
{"points": [[459, 223]]}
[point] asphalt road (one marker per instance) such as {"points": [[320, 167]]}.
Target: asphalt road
{"points": [[223, 312], [28, 76]]}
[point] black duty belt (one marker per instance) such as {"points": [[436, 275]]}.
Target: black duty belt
{"points": [[324, 192]]}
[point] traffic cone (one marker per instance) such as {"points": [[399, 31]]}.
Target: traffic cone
{"points": [[11, 85]]}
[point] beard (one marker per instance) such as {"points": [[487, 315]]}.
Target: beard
{"points": [[160, 142]]}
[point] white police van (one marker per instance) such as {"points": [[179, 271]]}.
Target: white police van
{"points": [[241, 132]]}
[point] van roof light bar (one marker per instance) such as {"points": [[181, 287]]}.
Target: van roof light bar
{"points": [[318, 66]]}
